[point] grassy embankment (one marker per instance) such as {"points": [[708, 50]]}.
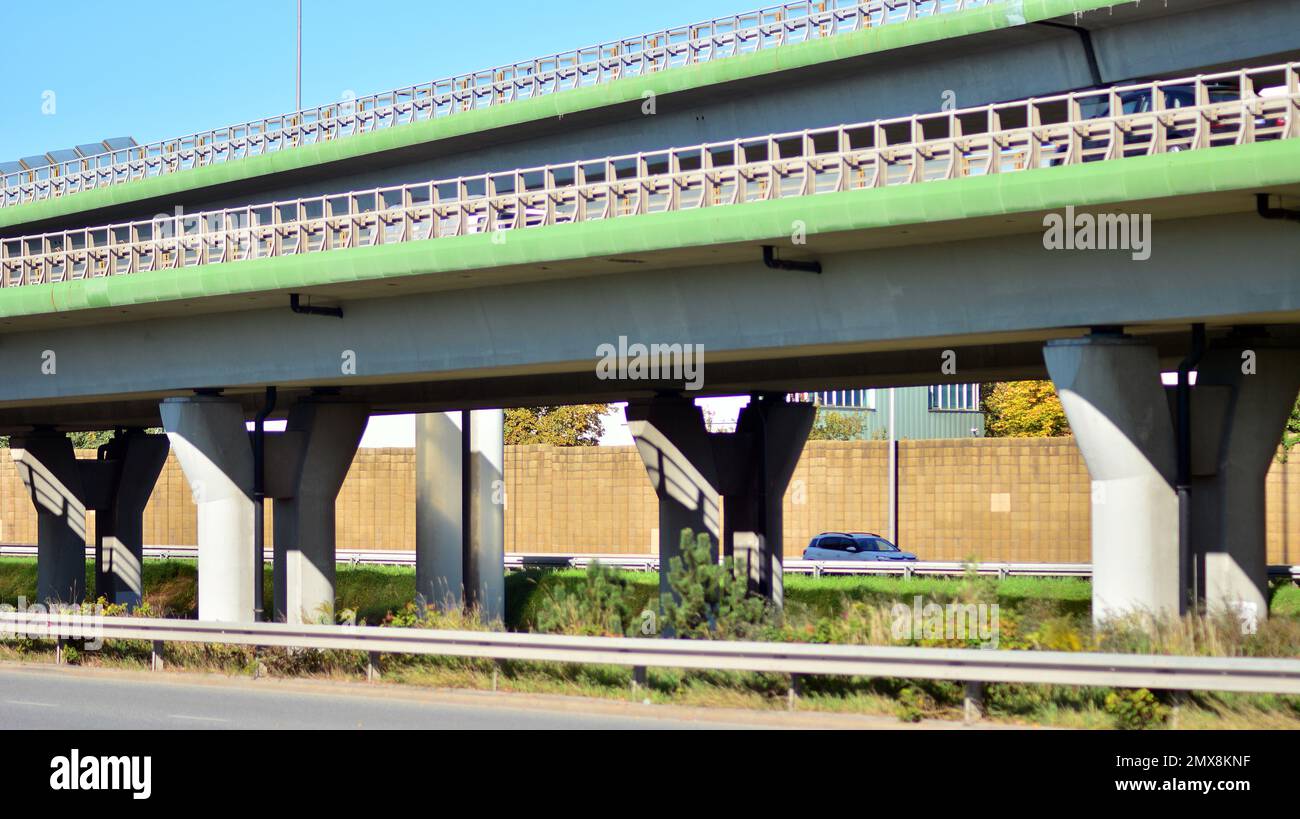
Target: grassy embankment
{"points": [[1035, 614]]}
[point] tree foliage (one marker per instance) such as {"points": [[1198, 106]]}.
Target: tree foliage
{"points": [[80, 440], [837, 426], [558, 426], [90, 440], [1291, 435], [1024, 409]]}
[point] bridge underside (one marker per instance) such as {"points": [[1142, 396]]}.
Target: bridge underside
{"points": [[881, 314]]}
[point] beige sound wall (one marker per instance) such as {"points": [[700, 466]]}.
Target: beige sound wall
{"points": [[987, 498]]}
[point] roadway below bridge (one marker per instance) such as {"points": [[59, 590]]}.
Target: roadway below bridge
{"points": [[79, 699]]}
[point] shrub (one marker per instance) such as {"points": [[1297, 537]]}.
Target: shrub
{"points": [[914, 704], [709, 600], [1136, 710], [415, 616], [599, 608]]}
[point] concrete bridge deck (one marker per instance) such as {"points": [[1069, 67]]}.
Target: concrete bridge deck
{"points": [[998, 51]]}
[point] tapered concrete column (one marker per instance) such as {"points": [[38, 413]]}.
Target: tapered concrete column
{"points": [[439, 536], [762, 456], [116, 486], [460, 511], [1239, 425], [1111, 391], [485, 553], [212, 445], [47, 465], [674, 444], [327, 434], [128, 468]]}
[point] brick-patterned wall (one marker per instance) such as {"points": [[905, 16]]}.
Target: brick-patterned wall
{"points": [[1282, 509], [995, 499], [580, 499]]}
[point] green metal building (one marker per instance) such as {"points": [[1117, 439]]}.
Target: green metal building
{"points": [[944, 411]]}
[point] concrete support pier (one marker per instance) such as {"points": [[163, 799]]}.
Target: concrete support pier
{"points": [[319, 444], [762, 456], [460, 511], [116, 485], [439, 539], [128, 469], [485, 544], [1246, 389], [212, 445], [1111, 390], [48, 467], [675, 446]]}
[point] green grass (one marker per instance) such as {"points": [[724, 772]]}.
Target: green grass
{"points": [[374, 591]]}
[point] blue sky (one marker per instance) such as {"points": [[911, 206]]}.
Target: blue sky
{"points": [[158, 70], [153, 71]]}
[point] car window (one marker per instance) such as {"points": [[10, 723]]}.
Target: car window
{"points": [[875, 544], [836, 544]]}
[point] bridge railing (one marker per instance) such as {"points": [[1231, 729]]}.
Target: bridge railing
{"points": [[707, 41], [995, 139], [650, 563], [973, 666]]}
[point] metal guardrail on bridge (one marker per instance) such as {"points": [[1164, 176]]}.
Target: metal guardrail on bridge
{"points": [[994, 139], [1280, 676], [703, 42], [650, 563]]}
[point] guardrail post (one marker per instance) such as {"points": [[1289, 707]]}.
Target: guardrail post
{"points": [[793, 693], [639, 676], [156, 656], [974, 702], [58, 651], [372, 667]]}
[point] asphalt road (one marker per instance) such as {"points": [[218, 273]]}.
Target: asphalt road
{"points": [[52, 699]]}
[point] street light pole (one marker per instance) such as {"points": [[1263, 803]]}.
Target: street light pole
{"points": [[298, 84], [893, 473]]}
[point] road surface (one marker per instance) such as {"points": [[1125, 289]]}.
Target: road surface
{"points": [[43, 697]]}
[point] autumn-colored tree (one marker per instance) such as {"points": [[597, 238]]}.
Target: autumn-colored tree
{"points": [[1024, 409], [1291, 435], [558, 426], [836, 426]]}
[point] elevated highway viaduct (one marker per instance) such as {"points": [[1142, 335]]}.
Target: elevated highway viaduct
{"points": [[990, 51], [929, 236]]}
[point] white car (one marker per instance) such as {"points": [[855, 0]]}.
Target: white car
{"points": [[854, 546]]}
